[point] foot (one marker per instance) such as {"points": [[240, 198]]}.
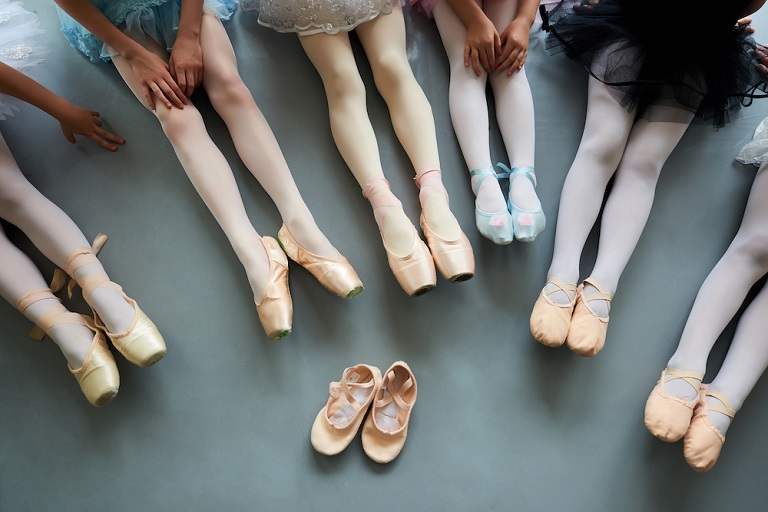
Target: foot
{"points": [[309, 237], [528, 218], [492, 218], [108, 303]]}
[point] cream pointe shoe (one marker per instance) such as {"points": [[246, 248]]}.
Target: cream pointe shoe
{"points": [[586, 334], [97, 376], [453, 258], [336, 275], [275, 308], [415, 272], [337, 423], [386, 426], [142, 344], [703, 442], [549, 320], [668, 417]]}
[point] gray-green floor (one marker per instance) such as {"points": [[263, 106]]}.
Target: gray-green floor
{"points": [[222, 423]]}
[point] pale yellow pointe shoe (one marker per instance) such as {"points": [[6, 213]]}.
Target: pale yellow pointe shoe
{"points": [[275, 308], [668, 417], [98, 377], [550, 320], [336, 275], [703, 442], [141, 344], [386, 426], [339, 420], [586, 334]]}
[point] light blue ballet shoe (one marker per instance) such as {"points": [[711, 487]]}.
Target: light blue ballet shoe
{"points": [[496, 227], [527, 224]]}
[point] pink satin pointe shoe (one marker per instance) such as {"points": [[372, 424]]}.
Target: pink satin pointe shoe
{"points": [[668, 417], [386, 426], [703, 441], [453, 258], [339, 420], [98, 377], [142, 344], [415, 271], [586, 334], [550, 320], [275, 308], [336, 275]]}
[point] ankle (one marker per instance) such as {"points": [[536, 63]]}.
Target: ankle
{"points": [[429, 181]]}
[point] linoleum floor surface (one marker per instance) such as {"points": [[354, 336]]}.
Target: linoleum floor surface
{"points": [[222, 422]]}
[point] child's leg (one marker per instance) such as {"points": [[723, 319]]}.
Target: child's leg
{"points": [[606, 129], [210, 174], [383, 39], [723, 292], [56, 236], [514, 112], [18, 277], [253, 137], [629, 204], [469, 107], [333, 58]]}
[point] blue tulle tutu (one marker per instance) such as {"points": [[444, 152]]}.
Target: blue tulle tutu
{"points": [[158, 19]]}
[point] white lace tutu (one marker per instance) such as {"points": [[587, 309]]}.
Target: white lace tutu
{"points": [[756, 151], [307, 17], [21, 46]]}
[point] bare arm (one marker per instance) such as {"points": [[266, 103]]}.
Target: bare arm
{"points": [[152, 72], [73, 119], [483, 41], [515, 38], [186, 62]]}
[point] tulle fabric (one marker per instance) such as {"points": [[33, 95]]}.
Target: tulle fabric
{"points": [[22, 46], [679, 53], [158, 19], [756, 151], [308, 17], [425, 7]]}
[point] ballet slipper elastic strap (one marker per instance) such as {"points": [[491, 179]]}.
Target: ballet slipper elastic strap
{"points": [[603, 295], [692, 378], [395, 394], [727, 410], [345, 387], [568, 289]]}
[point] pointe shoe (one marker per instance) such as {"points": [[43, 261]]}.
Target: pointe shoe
{"points": [[415, 272], [586, 334], [703, 441], [339, 420], [497, 226], [668, 417], [386, 426], [453, 258], [97, 376], [336, 275], [142, 344], [549, 320], [527, 224], [275, 308]]}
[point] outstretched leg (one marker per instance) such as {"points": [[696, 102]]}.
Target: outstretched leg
{"points": [[253, 138], [210, 174]]}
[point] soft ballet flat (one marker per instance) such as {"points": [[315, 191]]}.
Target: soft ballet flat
{"points": [[386, 426], [98, 377], [275, 308], [550, 320], [586, 334], [336, 275], [668, 417], [339, 420], [703, 441]]}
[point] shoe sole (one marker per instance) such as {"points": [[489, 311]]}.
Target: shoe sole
{"points": [[355, 292], [461, 277], [424, 289], [105, 398], [278, 335]]}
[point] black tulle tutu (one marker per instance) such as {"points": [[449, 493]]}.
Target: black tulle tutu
{"points": [[674, 52]]}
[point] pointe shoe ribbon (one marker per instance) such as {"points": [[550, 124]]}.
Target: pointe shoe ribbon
{"points": [[666, 416]]}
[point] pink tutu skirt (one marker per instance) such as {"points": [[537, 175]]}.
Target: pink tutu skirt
{"points": [[424, 6]]}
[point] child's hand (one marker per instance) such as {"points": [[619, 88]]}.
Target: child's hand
{"points": [[746, 25], [514, 41], [483, 43], [156, 80], [186, 64], [81, 121], [762, 59]]}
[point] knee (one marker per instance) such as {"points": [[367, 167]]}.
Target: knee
{"points": [[751, 249], [179, 123], [15, 195], [390, 69], [343, 82], [229, 90], [644, 164]]}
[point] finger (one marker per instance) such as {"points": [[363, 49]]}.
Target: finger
{"points": [[509, 62], [97, 121], [476, 62], [174, 88], [490, 57], [95, 114], [497, 43], [483, 57], [109, 136], [159, 95], [181, 81], [101, 142], [71, 138], [191, 82], [148, 97], [466, 55], [504, 58]]}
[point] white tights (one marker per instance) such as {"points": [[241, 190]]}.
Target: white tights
{"points": [[632, 151], [718, 300], [469, 108], [209, 171]]}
